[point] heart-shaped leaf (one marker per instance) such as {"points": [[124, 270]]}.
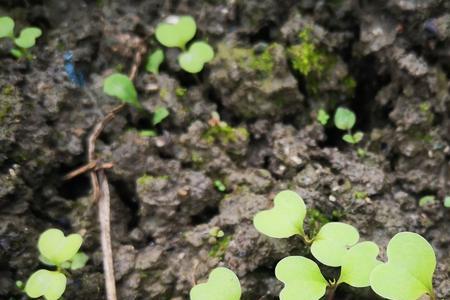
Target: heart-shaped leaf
{"points": [[358, 263], [27, 37], [176, 31], [194, 59], [344, 118], [79, 260], [120, 86], [409, 271], [301, 277], [332, 243], [49, 284], [6, 27], [285, 219], [222, 284], [154, 60], [56, 248]]}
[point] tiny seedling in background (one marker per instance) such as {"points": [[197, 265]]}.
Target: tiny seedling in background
{"points": [[323, 117], [25, 40], [447, 201], [61, 252], [177, 32], [120, 86], [159, 115], [408, 273], [154, 60], [427, 200], [345, 119], [222, 284]]}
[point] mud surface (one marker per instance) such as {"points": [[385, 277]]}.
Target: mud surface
{"points": [[389, 61]]}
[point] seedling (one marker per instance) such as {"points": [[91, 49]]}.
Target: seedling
{"points": [[345, 119], [336, 245], [408, 273], [159, 115], [177, 32], [222, 284], [323, 117], [447, 201], [220, 186], [61, 252], [25, 40], [154, 60], [427, 200], [121, 87]]}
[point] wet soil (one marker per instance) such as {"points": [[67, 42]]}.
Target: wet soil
{"points": [[387, 60]]}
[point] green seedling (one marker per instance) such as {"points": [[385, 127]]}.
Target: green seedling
{"points": [[427, 200], [220, 186], [120, 86], [408, 273], [159, 115], [27, 37], [222, 284], [195, 58], [154, 60], [447, 201], [322, 117], [177, 32], [345, 119], [147, 133], [216, 232], [61, 252]]}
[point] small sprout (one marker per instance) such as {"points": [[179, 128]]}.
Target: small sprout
{"points": [[49, 284], [27, 37], [331, 243], [216, 232], [302, 279], [79, 261], [159, 115], [180, 91], [344, 119], [154, 61], [361, 152], [176, 31], [194, 59], [285, 219], [222, 284], [56, 248], [147, 133], [358, 263], [360, 195], [6, 27], [353, 138], [121, 87], [19, 284], [323, 117], [220, 186], [409, 271], [447, 201], [427, 200]]}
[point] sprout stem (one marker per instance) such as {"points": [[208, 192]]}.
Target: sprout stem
{"points": [[331, 291]]}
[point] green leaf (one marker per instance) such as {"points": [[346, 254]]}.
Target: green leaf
{"points": [[160, 114], [147, 133], [427, 200], [409, 271], [447, 201], [121, 87], [27, 37], [154, 61], [285, 219], [45, 261], [344, 118], [301, 277], [358, 263], [79, 261], [6, 27], [49, 284], [332, 243], [16, 53], [357, 137], [195, 58], [222, 284], [349, 138], [176, 32], [57, 248], [323, 117]]}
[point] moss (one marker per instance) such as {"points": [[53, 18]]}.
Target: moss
{"points": [[262, 63], [315, 220], [8, 90], [147, 179], [305, 57], [350, 83], [180, 91], [164, 93], [5, 109], [219, 249], [225, 134], [359, 195], [425, 107]]}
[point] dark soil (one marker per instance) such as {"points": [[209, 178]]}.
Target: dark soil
{"points": [[388, 60]]}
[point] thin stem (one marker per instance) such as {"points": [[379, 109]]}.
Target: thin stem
{"points": [[331, 291]]}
